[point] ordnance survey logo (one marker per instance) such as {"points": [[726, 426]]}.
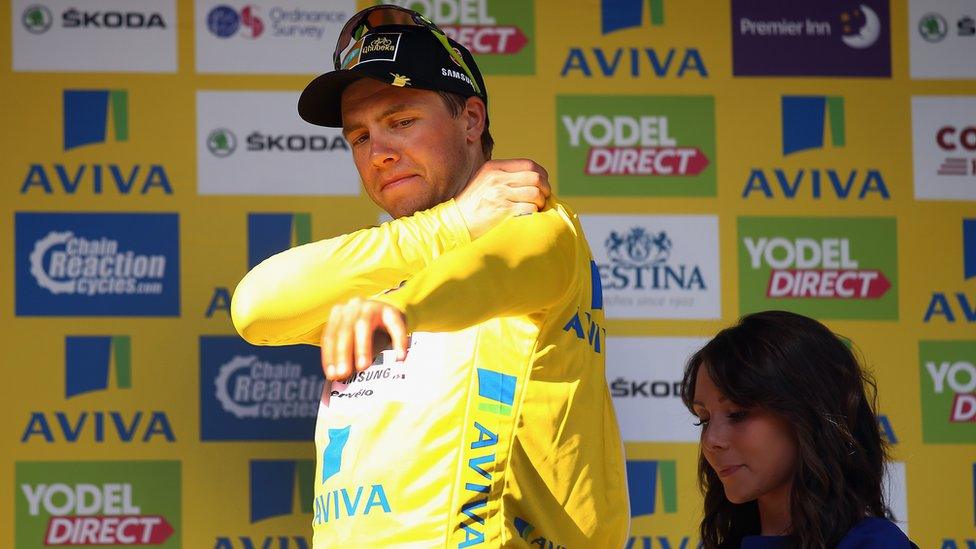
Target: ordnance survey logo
{"points": [[266, 36], [112, 264]]}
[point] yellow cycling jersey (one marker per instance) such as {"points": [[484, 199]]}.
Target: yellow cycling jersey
{"points": [[497, 430]]}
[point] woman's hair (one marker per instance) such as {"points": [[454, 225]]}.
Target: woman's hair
{"points": [[796, 368]]}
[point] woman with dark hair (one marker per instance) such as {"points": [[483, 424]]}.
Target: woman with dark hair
{"points": [[791, 453]]}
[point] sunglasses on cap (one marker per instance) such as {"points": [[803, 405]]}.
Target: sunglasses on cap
{"points": [[377, 16]]}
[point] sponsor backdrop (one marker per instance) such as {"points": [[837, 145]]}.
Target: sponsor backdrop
{"points": [[725, 157]]}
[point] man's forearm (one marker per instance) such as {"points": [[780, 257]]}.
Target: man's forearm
{"points": [[287, 298], [522, 266]]}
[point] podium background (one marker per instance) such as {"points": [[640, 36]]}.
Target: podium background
{"points": [[223, 485]]}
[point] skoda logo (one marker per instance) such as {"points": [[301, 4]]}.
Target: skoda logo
{"points": [[933, 27], [221, 142], [37, 19]]}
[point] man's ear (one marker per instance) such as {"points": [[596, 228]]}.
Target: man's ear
{"points": [[474, 116]]}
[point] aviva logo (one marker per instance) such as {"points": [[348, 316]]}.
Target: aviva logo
{"points": [[805, 122], [344, 503], [496, 391], [89, 360], [332, 455], [273, 487], [643, 478], [624, 14], [87, 114], [270, 233]]}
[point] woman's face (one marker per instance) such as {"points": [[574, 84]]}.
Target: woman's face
{"points": [[752, 450]]}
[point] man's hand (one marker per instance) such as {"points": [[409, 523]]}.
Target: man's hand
{"points": [[354, 330], [502, 189]]}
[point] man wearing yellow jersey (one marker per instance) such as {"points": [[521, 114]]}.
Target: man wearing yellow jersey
{"points": [[489, 423]]}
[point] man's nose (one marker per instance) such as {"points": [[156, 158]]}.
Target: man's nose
{"points": [[382, 152]]}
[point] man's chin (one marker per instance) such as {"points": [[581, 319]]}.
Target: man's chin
{"points": [[403, 209]]}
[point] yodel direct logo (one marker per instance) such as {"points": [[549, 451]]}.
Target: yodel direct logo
{"points": [[804, 267], [499, 34], [470, 24], [118, 503], [824, 267], [257, 393], [948, 385], [636, 145], [97, 264]]}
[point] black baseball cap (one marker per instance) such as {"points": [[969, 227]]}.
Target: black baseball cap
{"points": [[408, 56]]}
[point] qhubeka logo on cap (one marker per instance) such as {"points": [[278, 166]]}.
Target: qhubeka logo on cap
{"points": [[381, 46]]}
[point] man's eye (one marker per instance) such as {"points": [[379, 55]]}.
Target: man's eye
{"points": [[360, 139], [404, 123], [701, 422]]}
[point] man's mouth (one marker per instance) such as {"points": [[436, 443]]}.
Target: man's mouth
{"points": [[396, 181]]}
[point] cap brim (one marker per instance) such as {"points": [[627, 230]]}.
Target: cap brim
{"points": [[321, 100]]}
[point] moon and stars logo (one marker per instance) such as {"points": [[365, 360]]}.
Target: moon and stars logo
{"points": [[860, 27]]}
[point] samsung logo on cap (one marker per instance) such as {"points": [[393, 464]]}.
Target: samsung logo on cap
{"points": [[456, 74]]}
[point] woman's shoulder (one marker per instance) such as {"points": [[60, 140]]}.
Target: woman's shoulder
{"points": [[875, 532]]}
